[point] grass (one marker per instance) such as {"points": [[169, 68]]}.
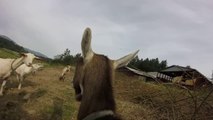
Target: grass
{"points": [[161, 101], [48, 95], [52, 99], [5, 53]]}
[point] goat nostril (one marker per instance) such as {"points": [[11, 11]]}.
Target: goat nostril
{"points": [[30, 64]]}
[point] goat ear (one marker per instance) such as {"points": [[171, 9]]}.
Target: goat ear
{"points": [[86, 44], [38, 58], [124, 60], [22, 54]]}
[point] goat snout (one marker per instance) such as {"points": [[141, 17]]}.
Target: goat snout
{"points": [[29, 65]]}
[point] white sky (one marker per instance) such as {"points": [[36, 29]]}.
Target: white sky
{"points": [[179, 31]]}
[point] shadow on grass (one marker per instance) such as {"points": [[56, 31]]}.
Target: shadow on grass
{"points": [[11, 108], [57, 109], [13, 84], [11, 105], [55, 112]]}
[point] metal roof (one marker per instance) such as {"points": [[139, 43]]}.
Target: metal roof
{"points": [[142, 73], [176, 68]]}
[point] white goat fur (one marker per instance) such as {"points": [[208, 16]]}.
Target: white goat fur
{"points": [[24, 70], [7, 66], [64, 71]]}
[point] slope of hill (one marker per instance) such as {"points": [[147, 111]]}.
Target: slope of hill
{"points": [[36, 53], [7, 43], [5, 53]]}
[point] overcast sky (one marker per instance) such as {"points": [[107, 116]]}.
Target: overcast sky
{"points": [[179, 31]]}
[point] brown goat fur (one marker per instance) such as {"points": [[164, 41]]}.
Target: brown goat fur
{"points": [[96, 77], [93, 82]]}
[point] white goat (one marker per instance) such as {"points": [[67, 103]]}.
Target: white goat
{"points": [[64, 71], [7, 66], [24, 70], [36, 67]]}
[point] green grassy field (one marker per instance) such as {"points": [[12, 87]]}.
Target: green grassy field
{"points": [[5, 53]]}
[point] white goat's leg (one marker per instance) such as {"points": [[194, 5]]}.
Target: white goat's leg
{"points": [[2, 87], [17, 77], [20, 81]]}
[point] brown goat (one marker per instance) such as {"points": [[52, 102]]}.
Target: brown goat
{"points": [[93, 82]]}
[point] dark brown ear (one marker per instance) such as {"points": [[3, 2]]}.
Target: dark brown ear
{"points": [[22, 54]]}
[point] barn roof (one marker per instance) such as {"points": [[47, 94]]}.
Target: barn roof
{"points": [[176, 70], [138, 72]]}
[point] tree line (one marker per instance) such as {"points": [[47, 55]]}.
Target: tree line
{"points": [[148, 65], [66, 58]]}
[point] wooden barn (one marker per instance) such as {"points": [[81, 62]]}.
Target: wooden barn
{"points": [[186, 76]]}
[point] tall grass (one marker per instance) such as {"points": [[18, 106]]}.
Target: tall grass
{"points": [[5, 53], [165, 101]]}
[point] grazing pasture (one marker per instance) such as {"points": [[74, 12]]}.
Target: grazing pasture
{"points": [[5, 53], [44, 97]]}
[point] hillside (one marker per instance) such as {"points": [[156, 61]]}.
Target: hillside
{"points": [[5, 53], [7, 43], [36, 53]]}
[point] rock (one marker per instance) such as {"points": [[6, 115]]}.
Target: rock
{"points": [[27, 97]]}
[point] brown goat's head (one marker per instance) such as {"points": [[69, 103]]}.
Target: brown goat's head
{"points": [[92, 80]]}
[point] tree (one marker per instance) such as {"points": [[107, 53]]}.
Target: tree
{"points": [[148, 65], [66, 59]]}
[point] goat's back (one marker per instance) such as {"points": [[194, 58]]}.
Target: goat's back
{"points": [[5, 66]]}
